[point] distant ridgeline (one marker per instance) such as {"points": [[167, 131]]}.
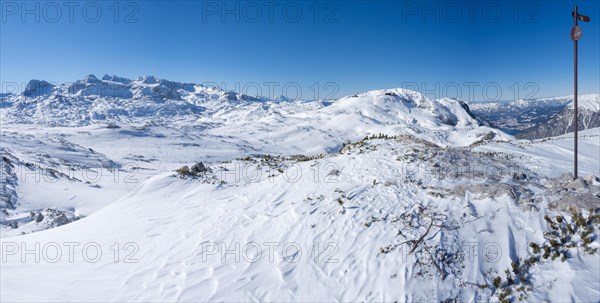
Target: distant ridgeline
{"points": [[148, 99], [540, 118]]}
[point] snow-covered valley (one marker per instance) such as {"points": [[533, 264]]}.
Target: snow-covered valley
{"points": [[385, 195]]}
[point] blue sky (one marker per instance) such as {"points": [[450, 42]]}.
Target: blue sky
{"points": [[482, 51]]}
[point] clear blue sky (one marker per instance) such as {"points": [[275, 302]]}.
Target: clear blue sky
{"points": [[358, 45]]}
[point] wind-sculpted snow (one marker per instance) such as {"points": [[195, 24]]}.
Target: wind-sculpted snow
{"points": [[387, 219]]}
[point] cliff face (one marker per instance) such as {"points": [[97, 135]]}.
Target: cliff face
{"points": [[562, 123]]}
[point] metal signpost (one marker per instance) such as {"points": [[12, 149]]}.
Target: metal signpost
{"points": [[575, 36]]}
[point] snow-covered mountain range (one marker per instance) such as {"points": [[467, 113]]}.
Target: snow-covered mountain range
{"points": [[194, 193], [523, 117], [147, 100], [561, 123]]}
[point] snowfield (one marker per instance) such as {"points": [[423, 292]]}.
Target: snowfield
{"points": [[381, 196]]}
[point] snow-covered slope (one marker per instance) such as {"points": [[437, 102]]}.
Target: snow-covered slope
{"points": [[393, 111], [337, 228], [384, 195], [587, 102], [116, 128]]}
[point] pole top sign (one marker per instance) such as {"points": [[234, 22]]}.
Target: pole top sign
{"points": [[581, 17], [575, 33]]}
